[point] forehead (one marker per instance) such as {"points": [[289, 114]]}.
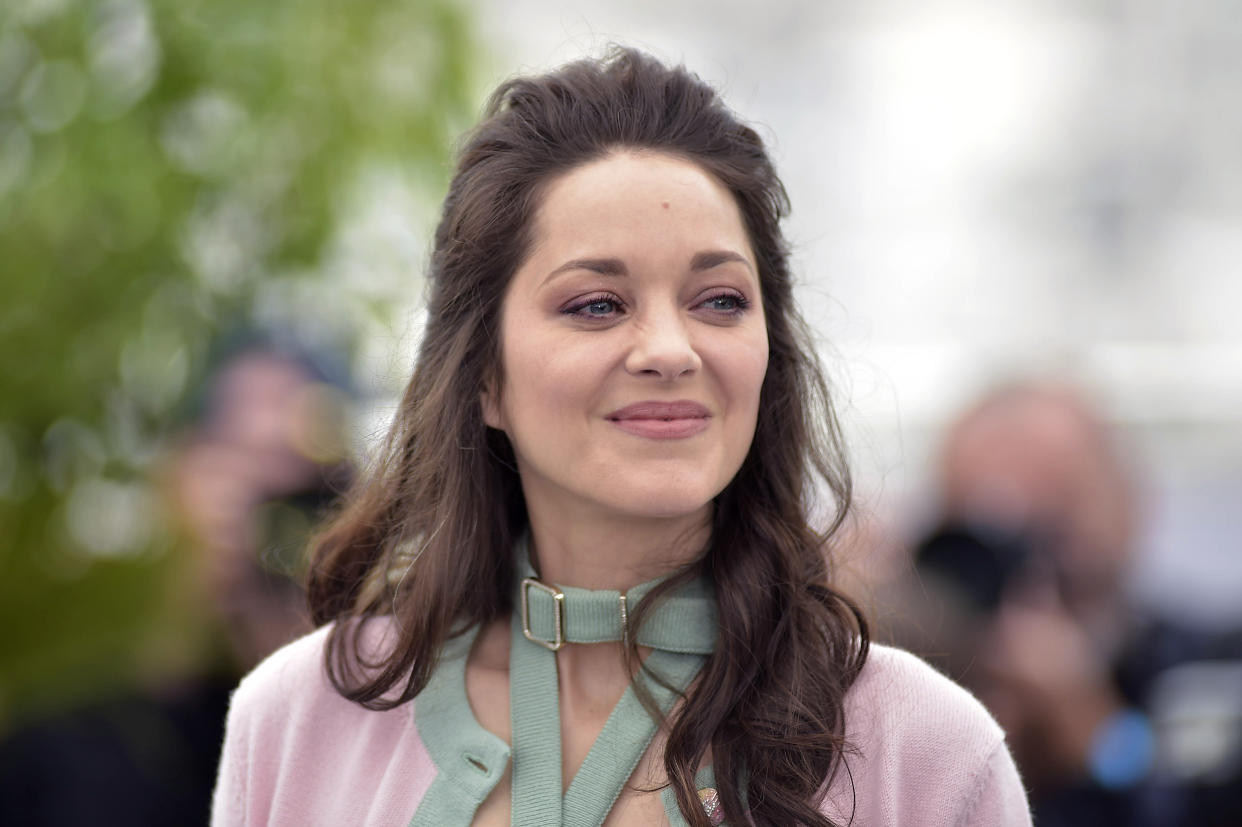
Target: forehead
{"points": [[630, 196]]}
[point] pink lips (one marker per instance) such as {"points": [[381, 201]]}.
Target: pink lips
{"points": [[661, 420]]}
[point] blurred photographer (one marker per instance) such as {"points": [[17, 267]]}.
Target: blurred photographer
{"points": [[1114, 716]]}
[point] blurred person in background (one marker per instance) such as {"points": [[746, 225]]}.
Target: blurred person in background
{"points": [[250, 483], [1115, 716], [247, 484]]}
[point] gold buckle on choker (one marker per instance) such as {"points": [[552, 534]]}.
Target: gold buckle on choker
{"points": [[558, 613]]}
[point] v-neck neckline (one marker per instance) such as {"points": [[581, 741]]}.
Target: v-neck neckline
{"points": [[470, 759]]}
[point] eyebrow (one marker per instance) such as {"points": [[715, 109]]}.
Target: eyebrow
{"points": [[708, 259], [701, 261], [603, 266]]}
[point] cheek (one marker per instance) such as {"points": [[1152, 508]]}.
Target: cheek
{"points": [[746, 372], [755, 370], [545, 382]]}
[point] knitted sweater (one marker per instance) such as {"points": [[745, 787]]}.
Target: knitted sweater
{"points": [[297, 753]]}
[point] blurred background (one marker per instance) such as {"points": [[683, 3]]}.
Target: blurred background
{"points": [[214, 219]]}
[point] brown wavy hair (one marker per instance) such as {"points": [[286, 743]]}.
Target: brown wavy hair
{"points": [[426, 535]]}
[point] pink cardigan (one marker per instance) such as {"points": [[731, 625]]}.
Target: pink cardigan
{"points": [[297, 753]]}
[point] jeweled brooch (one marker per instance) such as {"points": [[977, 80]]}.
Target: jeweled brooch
{"points": [[710, 800]]}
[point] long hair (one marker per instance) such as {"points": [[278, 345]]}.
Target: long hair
{"points": [[426, 536]]}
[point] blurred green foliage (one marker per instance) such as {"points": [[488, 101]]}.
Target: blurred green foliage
{"points": [[170, 169]]}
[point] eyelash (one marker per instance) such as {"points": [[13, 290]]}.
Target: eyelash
{"points": [[578, 308]]}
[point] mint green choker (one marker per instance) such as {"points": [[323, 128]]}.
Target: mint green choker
{"points": [[682, 632]]}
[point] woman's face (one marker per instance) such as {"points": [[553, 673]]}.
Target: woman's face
{"points": [[633, 343]]}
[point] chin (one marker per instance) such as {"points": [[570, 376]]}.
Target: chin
{"points": [[666, 502]]}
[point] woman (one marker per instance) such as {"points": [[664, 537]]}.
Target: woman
{"points": [[581, 586]]}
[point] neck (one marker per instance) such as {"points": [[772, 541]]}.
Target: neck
{"points": [[606, 552]]}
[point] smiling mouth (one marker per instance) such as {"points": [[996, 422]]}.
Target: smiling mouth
{"points": [[662, 420]]}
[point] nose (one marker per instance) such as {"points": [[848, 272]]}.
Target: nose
{"points": [[662, 348]]}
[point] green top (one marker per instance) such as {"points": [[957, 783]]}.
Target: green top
{"points": [[470, 760]]}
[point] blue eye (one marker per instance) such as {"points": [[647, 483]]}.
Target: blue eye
{"points": [[595, 307], [726, 303]]}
